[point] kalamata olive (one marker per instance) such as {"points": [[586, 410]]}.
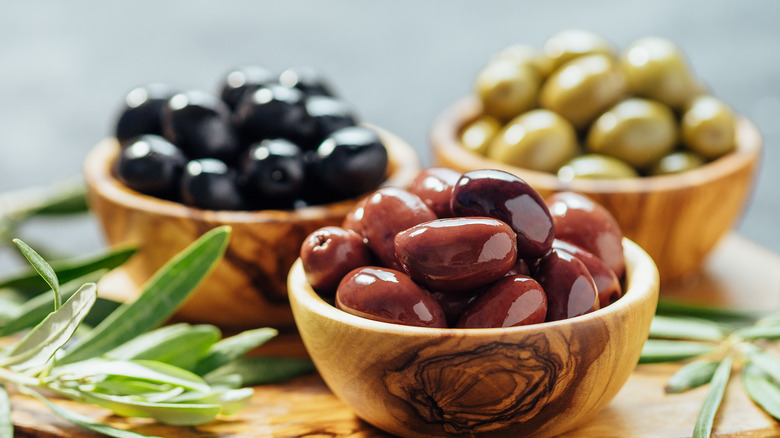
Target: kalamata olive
{"points": [[583, 222], [677, 162], [708, 127], [151, 165], [573, 43], [390, 296], [503, 196], [521, 267], [457, 254], [387, 212], [455, 303], [596, 166], [237, 82], [476, 136], [329, 254], [141, 112], [607, 283], [538, 139], [434, 186], [509, 302], [568, 284], [507, 88], [354, 218]]}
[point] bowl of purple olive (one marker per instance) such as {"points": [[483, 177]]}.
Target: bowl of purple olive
{"points": [[469, 305], [275, 156]]}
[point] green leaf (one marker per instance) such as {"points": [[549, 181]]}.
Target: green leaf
{"points": [[100, 311], [131, 387], [85, 422], [685, 328], [181, 345], [145, 370], [656, 350], [762, 390], [30, 283], [36, 309], [771, 319], [6, 426], [759, 332], [43, 268], [765, 362], [40, 344], [706, 418], [160, 298], [229, 400], [232, 348], [692, 375], [720, 314], [258, 370], [9, 310], [176, 414]]}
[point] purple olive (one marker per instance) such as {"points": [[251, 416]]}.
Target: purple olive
{"points": [[509, 302], [434, 186], [387, 212], [329, 254], [455, 303], [457, 254], [521, 267], [583, 222], [607, 283], [503, 196], [390, 296], [354, 218], [568, 284]]}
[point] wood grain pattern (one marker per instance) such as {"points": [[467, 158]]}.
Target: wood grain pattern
{"points": [[677, 219], [522, 381], [738, 273], [248, 288]]}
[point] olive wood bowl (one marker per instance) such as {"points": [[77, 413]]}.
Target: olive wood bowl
{"points": [[248, 287], [538, 380], [677, 219]]}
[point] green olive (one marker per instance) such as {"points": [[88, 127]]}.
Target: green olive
{"points": [[596, 166], [477, 134], [538, 139], [507, 88], [569, 44], [583, 88], [656, 68], [708, 127], [676, 162], [525, 54], [637, 131]]}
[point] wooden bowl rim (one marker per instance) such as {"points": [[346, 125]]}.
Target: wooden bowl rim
{"points": [[99, 177], [642, 285], [445, 131]]}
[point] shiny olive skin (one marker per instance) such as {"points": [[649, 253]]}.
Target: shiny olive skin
{"points": [[585, 223], [503, 196], [521, 267], [455, 303], [528, 55], [240, 81], [607, 283], [330, 115], [274, 111], [509, 302], [538, 139], [199, 124], [151, 165], [457, 254], [330, 253], [434, 186], [583, 88], [141, 112], [273, 173], [211, 184], [677, 162], [308, 80], [477, 135], [390, 296], [387, 212], [351, 161], [507, 88], [596, 166], [708, 127], [568, 285], [637, 131], [354, 218], [569, 44]]}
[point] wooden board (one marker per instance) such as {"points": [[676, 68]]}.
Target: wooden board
{"points": [[739, 273]]}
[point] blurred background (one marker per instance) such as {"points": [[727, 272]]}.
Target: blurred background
{"points": [[66, 66]]}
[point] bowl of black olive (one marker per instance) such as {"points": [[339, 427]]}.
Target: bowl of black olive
{"points": [[275, 156]]}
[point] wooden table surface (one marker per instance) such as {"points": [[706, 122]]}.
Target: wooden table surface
{"points": [[739, 273]]}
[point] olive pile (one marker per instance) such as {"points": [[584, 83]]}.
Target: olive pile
{"points": [[267, 142], [476, 250], [581, 110]]}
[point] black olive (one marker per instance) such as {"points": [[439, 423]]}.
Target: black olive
{"points": [[210, 184], [141, 111], [150, 164]]}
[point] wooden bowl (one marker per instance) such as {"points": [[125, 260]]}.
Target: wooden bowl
{"points": [[539, 380], [677, 219], [248, 287]]}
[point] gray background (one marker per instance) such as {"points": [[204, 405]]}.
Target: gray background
{"points": [[65, 67]]}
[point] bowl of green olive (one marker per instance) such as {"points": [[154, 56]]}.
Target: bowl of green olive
{"points": [[635, 129]]}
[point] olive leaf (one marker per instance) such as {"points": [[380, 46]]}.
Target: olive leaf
{"points": [[719, 314], [10, 309], [759, 332], [176, 414], [692, 375], [40, 344], [258, 370], [160, 297], [706, 418], [232, 348], [43, 268], [771, 319], [765, 362], [762, 390], [686, 328], [180, 344], [6, 426], [144, 370], [229, 400], [658, 350]]}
